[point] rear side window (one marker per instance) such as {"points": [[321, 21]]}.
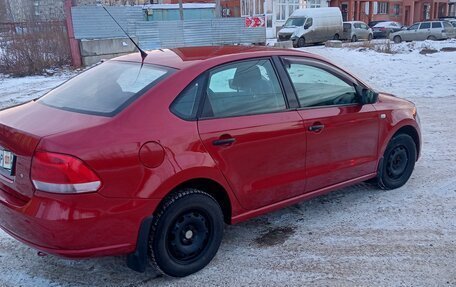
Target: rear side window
{"points": [[347, 26], [447, 25], [425, 25], [243, 88], [106, 89], [185, 106], [436, 25], [357, 25]]}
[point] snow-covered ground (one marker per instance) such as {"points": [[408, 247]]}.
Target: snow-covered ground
{"points": [[358, 236]]}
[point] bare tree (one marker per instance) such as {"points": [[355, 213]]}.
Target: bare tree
{"points": [[181, 10]]}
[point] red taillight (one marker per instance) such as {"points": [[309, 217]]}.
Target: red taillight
{"points": [[53, 172], [382, 28]]}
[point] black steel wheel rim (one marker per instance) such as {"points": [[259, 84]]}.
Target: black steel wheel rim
{"points": [[397, 162], [188, 236]]}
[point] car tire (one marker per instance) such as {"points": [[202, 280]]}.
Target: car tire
{"points": [[336, 37], [397, 39], [186, 233], [398, 162], [432, 38], [301, 42], [369, 38], [354, 38]]}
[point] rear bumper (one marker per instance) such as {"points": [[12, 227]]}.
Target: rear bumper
{"points": [[75, 226]]}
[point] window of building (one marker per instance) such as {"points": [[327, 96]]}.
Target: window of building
{"points": [[396, 9], [251, 7], [382, 7], [285, 8], [313, 4]]}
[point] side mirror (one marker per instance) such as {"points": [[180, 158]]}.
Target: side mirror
{"points": [[366, 96], [306, 26], [404, 28], [233, 87]]}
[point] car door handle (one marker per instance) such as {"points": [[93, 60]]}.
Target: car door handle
{"points": [[316, 128], [224, 142]]}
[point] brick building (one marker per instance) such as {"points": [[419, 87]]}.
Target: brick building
{"points": [[403, 11]]}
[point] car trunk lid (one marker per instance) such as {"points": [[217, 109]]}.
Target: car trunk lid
{"points": [[21, 130]]}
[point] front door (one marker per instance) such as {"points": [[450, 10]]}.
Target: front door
{"points": [[342, 135], [258, 144]]}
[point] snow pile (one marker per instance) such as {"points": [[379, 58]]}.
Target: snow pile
{"points": [[409, 75], [389, 47], [19, 90]]}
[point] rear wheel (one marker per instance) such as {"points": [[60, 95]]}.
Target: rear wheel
{"points": [[398, 162], [432, 38], [336, 37], [397, 39], [186, 233], [354, 38], [301, 42]]}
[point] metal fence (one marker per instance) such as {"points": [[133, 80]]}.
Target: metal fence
{"points": [[92, 22]]}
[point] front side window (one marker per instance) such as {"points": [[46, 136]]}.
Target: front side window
{"points": [[243, 88], [414, 26], [106, 89], [317, 87], [309, 23]]}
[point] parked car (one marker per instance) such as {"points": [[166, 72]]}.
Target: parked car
{"points": [[316, 25], [429, 30], [356, 30], [373, 23], [151, 160], [384, 29]]}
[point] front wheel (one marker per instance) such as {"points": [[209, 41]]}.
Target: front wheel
{"points": [[398, 162], [186, 233], [397, 39], [369, 38], [354, 38], [301, 42]]}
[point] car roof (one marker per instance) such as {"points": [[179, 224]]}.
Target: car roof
{"points": [[180, 58], [380, 24], [354, 22]]}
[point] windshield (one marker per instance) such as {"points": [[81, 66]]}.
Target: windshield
{"points": [[106, 89], [294, 22]]}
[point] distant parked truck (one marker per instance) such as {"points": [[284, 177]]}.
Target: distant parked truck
{"points": [[314, 25]]}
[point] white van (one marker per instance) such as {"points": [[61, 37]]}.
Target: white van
{"points": [[312, 25]]}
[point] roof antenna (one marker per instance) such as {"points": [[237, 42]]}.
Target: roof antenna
{"points": [[143, 54]]}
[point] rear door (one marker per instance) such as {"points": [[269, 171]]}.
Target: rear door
{"points": [[423, 32], [258, 144], [342, 135]]}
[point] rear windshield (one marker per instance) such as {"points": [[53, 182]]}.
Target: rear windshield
{"points": [[106, 89]]}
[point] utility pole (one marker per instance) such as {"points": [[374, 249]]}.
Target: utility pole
{"points": [[181, 10], [218, 9]]}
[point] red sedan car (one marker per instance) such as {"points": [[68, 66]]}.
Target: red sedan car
{"points": [[152, 160]]}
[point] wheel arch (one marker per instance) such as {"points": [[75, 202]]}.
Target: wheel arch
{"points": [[407, 127], [214, 189]]}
